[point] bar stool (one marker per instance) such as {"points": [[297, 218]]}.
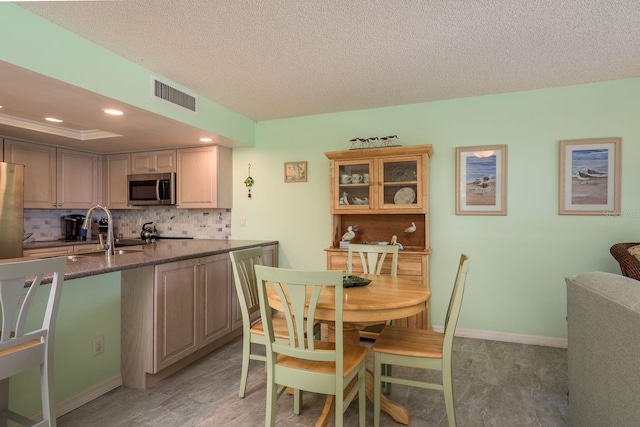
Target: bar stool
{"points": [[20, 349]]}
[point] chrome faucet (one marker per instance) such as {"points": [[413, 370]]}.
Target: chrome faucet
{"points": [[109, 246]]}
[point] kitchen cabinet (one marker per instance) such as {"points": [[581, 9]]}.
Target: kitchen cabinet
{"points": [[116, 169], [192, 307], [56, 177], [204, 178], [175, 313], [383, 191], [153, 161]]}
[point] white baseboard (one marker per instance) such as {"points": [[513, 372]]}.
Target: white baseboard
{"points": [[88, 395], [508, 337]]}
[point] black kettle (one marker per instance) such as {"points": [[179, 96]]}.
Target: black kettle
{"points": [[147, 232]]}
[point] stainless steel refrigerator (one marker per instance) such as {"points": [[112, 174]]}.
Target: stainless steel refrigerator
{"points": [[11, 210]]}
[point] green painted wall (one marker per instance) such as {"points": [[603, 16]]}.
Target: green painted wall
{"points": [[519, 261], [89, 307], [38, 45]]}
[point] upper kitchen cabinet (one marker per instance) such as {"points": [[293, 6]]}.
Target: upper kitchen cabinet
{"points": [[380, 180], [204, 177], [116, 169], [56, 177], [153, 161]]}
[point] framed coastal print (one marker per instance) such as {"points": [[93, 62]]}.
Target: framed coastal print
{"points": [[590, 176], [481, 180], [295, 172]]}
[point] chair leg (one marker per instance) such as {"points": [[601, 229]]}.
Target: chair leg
{"points": [[46, 389], [449, 396], [272, 402], [297, 401], [246, 349], [339, 413], [362, 398], [387, 372], [377, 372]]}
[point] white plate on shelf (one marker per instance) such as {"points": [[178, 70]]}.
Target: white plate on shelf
{"points": [[404, 196]]}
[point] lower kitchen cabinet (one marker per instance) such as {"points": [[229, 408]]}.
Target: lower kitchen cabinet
{"points": [[175, 313]]}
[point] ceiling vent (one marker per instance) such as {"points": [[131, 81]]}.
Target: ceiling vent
{"points": [[173, 95]]}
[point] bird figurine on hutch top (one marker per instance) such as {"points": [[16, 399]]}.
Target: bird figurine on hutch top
{"points": [[350, 234], [411, 228]]}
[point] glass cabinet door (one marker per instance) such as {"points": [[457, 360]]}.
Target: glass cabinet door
{"points": [[353, 185], [400, 179]]}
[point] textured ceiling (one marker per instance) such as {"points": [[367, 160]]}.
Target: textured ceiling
{"points": [[271, 59]]}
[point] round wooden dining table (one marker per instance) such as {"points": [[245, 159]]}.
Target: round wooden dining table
{"points": [[385, 298]]}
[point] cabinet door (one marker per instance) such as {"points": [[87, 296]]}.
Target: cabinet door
{"points": [[78, 176], [216, 280], [153, 161], [39, 172], [175, 312], [116, 169], [204, 177], [353, 185], [401, 183]]}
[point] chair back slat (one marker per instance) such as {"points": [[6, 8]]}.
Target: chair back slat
{"points": [[375, 257]]}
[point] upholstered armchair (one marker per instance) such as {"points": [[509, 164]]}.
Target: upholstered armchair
{"points": [[629, 264]]}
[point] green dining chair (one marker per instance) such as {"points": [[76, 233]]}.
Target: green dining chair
{"points": [[243, 262], [372, 257], [26, 337], [420, 348], [375, 257], [301, 362]]}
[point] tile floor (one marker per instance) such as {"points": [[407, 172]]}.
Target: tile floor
{"points": [[497, 384]]}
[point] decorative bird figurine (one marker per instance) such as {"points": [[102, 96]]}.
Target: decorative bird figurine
{"points": [[411, 228], [350, 234]]}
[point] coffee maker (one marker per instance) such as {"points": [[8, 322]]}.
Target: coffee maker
{"points": [[73, 227]]}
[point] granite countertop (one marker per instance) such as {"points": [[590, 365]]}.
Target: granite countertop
{"points": [[151, 254]]}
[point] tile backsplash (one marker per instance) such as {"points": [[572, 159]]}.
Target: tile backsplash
{"points": [[47, 224]]}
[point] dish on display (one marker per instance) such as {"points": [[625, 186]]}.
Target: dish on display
{"points": [[400, 174], [404, 196]]}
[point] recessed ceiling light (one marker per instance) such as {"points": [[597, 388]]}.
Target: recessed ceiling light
{"points": [[53, 119], [113, 112], [206, 139]]}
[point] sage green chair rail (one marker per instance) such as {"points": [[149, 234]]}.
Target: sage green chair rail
{"points": [[419, 348], [301, 362]]}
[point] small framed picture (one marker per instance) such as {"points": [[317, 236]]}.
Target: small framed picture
{"points": [[590, 176], [295, 171], [481, 180]]}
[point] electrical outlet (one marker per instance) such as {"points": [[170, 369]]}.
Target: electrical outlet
{"points": [[98, 345]]}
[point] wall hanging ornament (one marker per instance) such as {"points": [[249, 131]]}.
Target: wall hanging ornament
{"points": [[249, 182]]}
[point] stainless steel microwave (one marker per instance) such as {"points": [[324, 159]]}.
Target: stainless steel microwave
{"points": [[151, 189]]}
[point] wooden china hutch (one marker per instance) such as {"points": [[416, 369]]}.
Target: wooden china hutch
{"points": [[383, 191]]}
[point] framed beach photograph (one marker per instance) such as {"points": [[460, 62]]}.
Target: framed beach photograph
{"points": [[481, 180], [295, 171], [590, 176]]}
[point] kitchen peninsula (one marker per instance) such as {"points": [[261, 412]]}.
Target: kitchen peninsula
{"points": [[157, 308]]}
